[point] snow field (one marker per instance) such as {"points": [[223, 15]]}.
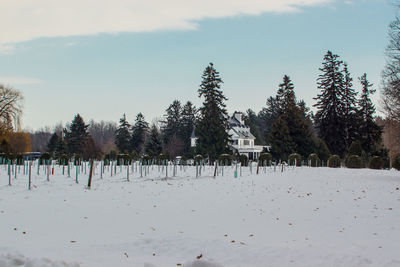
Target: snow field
{"points": [[300, 217]]}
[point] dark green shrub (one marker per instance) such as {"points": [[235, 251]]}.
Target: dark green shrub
{"points": [[63, 160], [19, 160], [355, 149], [161, 159], [225, 160], [124, 159], [146, 159], [386, 163], [198, 159], [354, 162], [314, 160], [375, 163], [294, 159], [135, 156], [334, 161], [396, 162], [44, 158], [244, 160], [264, 159], [77, 159]]}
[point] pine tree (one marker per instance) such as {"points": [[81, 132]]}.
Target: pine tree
{"points": [[370, 132], [349, 108], [172, 124], [211, 129], [329, 118], [252, 120], [139, 133], [123, 135], [76, 136], [294, 117], [267, 117], [61, 147], [188, 121], [153, 146], [280, 140], [52, 144]]}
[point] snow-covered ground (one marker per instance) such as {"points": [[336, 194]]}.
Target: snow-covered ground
{"points": [[299, 217]]}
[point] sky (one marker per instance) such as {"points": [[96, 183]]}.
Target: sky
{"points": [[102, 59]]}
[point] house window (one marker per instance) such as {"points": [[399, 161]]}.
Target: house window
{"points": [[236, 142], [246, 142]]}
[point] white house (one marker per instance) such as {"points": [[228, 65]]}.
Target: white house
{"points": [[241, 137]]}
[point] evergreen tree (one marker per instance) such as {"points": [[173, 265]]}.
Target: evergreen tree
{"points": [[349, 108], [280, 140], [61, 147], [252, 120], [267, 117], [370, 132], [172, 124], [52, 144], [123, 135], [329, 118], [76, 136], [139, 133], [211, 129], [294, 117], [153, 145], [188, 121]]}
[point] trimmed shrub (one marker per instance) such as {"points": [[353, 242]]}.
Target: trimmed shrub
{"points": [[314, 160], [146, 159], [77, 159], [44, 158], [396, 162], [63, 160], [225, 160], [386, 163], [161, 159], [295, 159], [334, 161], [19, 160], [264, 159], [244, 160], [354, 162], [355, 148], [198, 159], [124, 159], [375, 163]]}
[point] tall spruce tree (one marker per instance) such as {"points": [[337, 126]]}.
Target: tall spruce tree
{"points": [[76, 136], [329, 118], [153, 146], [139, 133], [172, 123], [188, 121], [369, 132], [251, 119], [267, 117], [294, 119], [211, 129], [281, 142], [123, 135], [52, 144], [349, 107]]}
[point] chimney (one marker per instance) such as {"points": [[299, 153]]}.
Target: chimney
{"points": [[238, 116]]}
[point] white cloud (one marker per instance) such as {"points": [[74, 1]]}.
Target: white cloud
{"points": [[23, 20], [18, 80]]}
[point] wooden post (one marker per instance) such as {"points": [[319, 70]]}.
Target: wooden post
{"points": [[29, 181], [90, 173], [76, 168], [215, 169]]}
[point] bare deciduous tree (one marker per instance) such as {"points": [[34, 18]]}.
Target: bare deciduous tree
{"points": [[10, 108]]}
